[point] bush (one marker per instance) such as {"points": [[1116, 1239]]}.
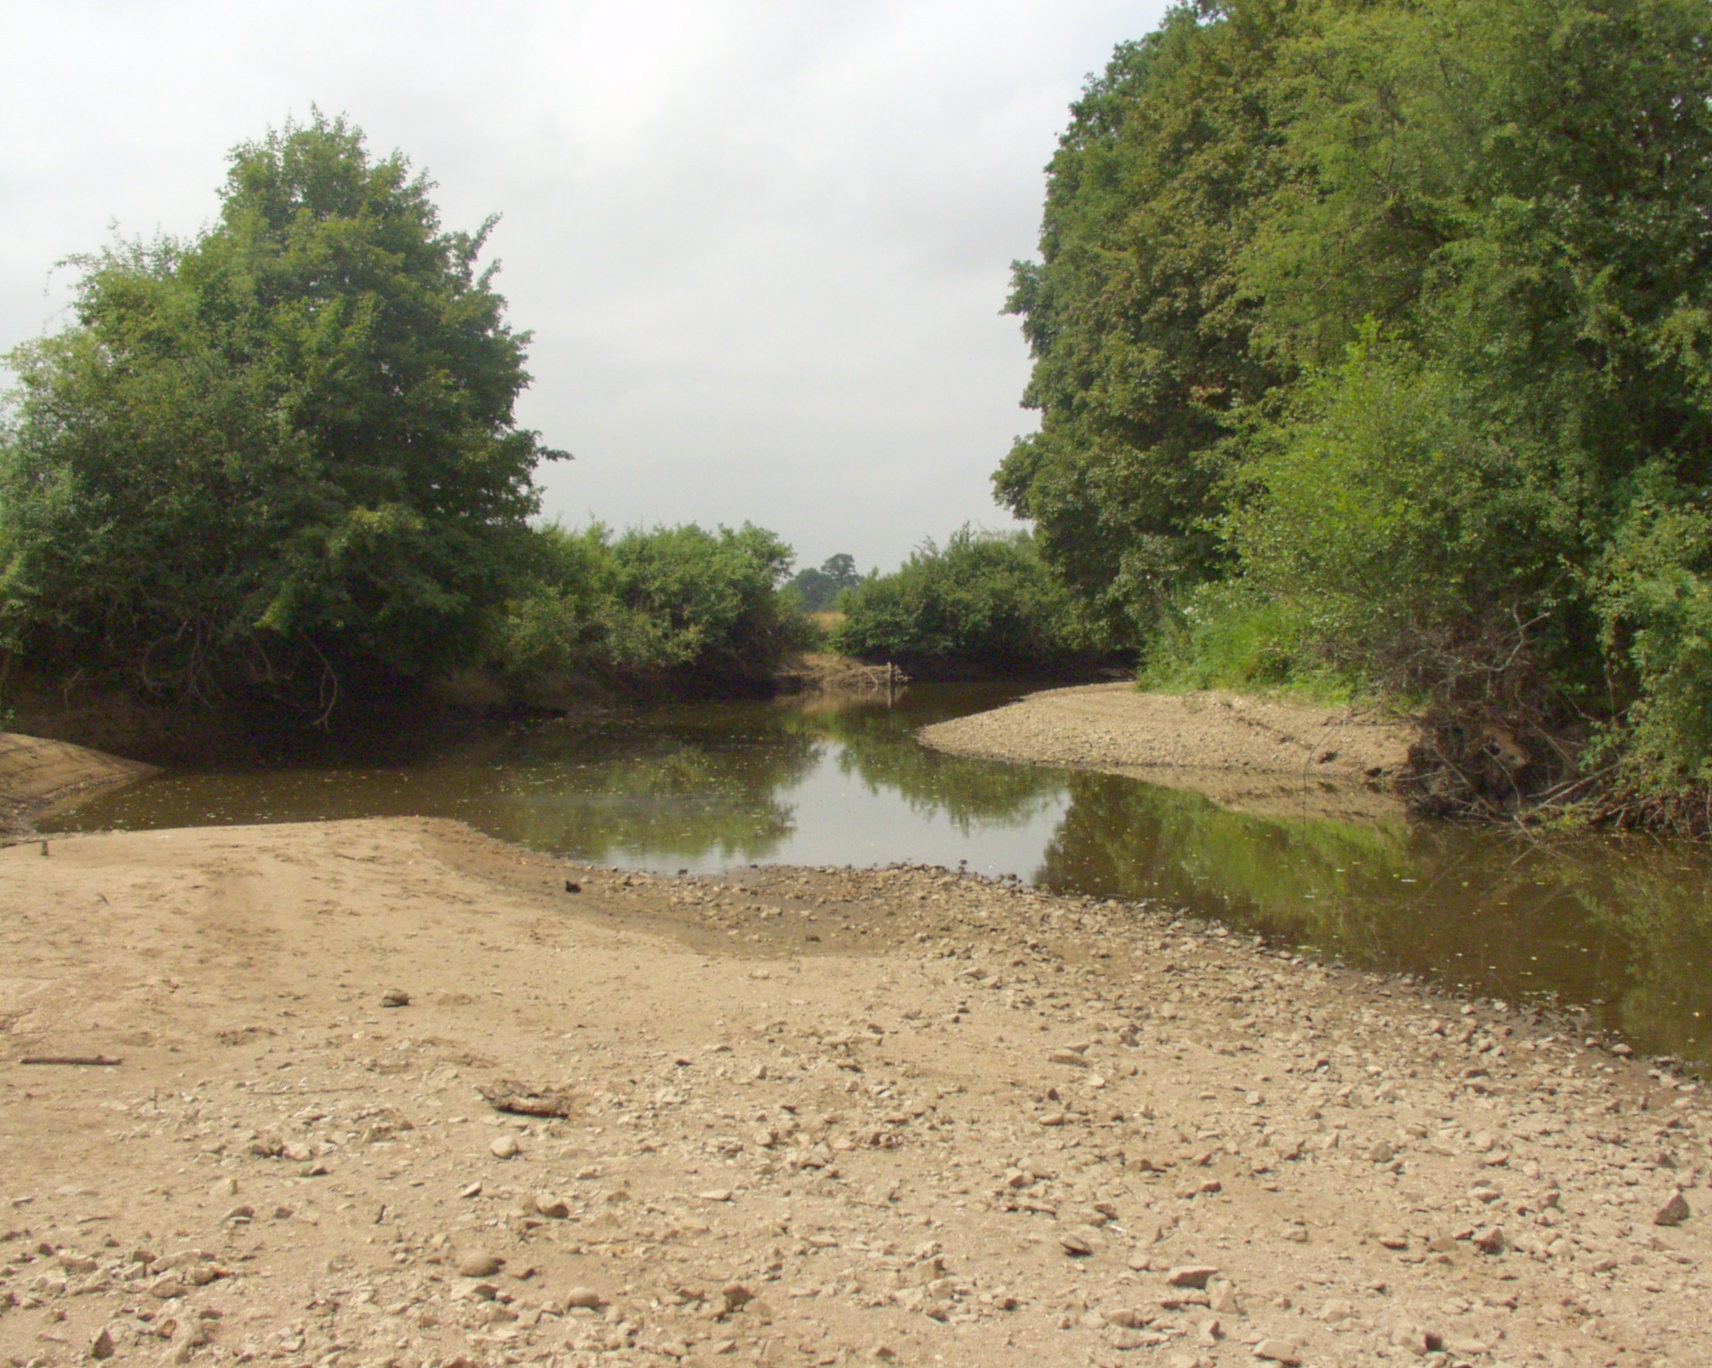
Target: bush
{"points": [[668, 603], [1227, 636], [986, 598]]}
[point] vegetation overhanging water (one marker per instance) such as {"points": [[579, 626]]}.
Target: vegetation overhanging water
{"points": [[1622, 929]]}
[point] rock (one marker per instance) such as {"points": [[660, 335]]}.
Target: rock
{"points": [[102, 1347], [1417, 1340], [1489, 1240], [1191, 1275], [554, 1208], [735, 1296], [479, 1263], [505, 1147], [1076, 1244], [395, 997], [1277, 1351], [1674, 1212], [583, 1299]]}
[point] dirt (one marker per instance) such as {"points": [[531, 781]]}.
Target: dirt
{"points": [[1249, 753], [810, 1117], [38, 776]]}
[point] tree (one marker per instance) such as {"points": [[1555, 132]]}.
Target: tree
{"points": [[819, 589], [1143, 371], [278, 455]]}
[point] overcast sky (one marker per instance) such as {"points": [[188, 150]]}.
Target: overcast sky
{"points": [[762, 246]]}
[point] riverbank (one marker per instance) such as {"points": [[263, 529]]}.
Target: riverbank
{"points": [[1253, 754], [38, 775], [809, 1117]]}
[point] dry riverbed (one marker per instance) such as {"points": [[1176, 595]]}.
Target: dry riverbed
{"points": [[805, 1117]]}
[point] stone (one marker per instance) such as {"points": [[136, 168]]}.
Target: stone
{"points": [[479, 1263], [584, 1299], [395, 997], [554, 1208], [1674, 1212], [1191, 1275], [505, 1147], [102, 1347], [1277, 1351], [1489, 1240]]}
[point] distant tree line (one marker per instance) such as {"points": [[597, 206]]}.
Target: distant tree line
{"points": [[1373, 347]]}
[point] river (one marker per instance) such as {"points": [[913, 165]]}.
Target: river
{"points": [[1621, 929]]}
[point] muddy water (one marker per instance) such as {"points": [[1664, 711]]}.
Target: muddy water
{"points": [[1624, 930]]}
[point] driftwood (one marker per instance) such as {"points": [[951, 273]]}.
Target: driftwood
{"points": [[521, 1100], [106, 1061]]}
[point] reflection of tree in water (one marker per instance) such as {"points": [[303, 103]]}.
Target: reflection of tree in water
{"points": [[684, 789], [1591, 923], [1656, 901], [877, 749]]}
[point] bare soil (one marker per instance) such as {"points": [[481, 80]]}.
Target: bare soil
{"points": [[809, 1117], [39, 775], [1254, 754]]}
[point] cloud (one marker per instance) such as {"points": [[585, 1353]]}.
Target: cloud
{"points": [[762, 247]]}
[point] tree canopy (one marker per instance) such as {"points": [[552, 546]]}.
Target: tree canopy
{"points": [[278, 454], [1393, 319]]}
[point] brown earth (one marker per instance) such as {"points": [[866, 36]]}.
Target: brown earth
{"points": [[38, 775], [1256, 754], [811, 1117]]}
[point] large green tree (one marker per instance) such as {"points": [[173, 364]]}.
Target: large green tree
{"points": [[1398, 314], [1143, 372], [278, 456]]}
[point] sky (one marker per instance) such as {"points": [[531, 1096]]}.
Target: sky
{"points": [[762, 246]]}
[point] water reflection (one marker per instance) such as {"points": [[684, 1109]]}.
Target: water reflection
{"points": [[1624, 929]]}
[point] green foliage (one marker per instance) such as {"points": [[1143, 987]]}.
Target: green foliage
{"points": [[673, 602], [1397, 314], [1143, 373], [276, 453], [818, 590], [985, 598], [1226, 635], [1656, 600]]}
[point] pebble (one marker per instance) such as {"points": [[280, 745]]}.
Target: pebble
{"points": [[1277, 1351], [1191, 1275], [584, 1299], [505, 1147]]}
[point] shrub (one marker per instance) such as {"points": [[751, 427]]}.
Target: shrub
{"points": [[986, 598]]}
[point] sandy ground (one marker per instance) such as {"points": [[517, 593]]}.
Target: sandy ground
{"points": [[1250, 753], [38, 775], [809, 1117]]}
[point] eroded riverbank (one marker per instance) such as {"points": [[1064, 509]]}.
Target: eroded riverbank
{"points": [[813, 1116]]}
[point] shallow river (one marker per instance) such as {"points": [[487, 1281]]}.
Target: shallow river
{"points": [[1624, 930]]}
